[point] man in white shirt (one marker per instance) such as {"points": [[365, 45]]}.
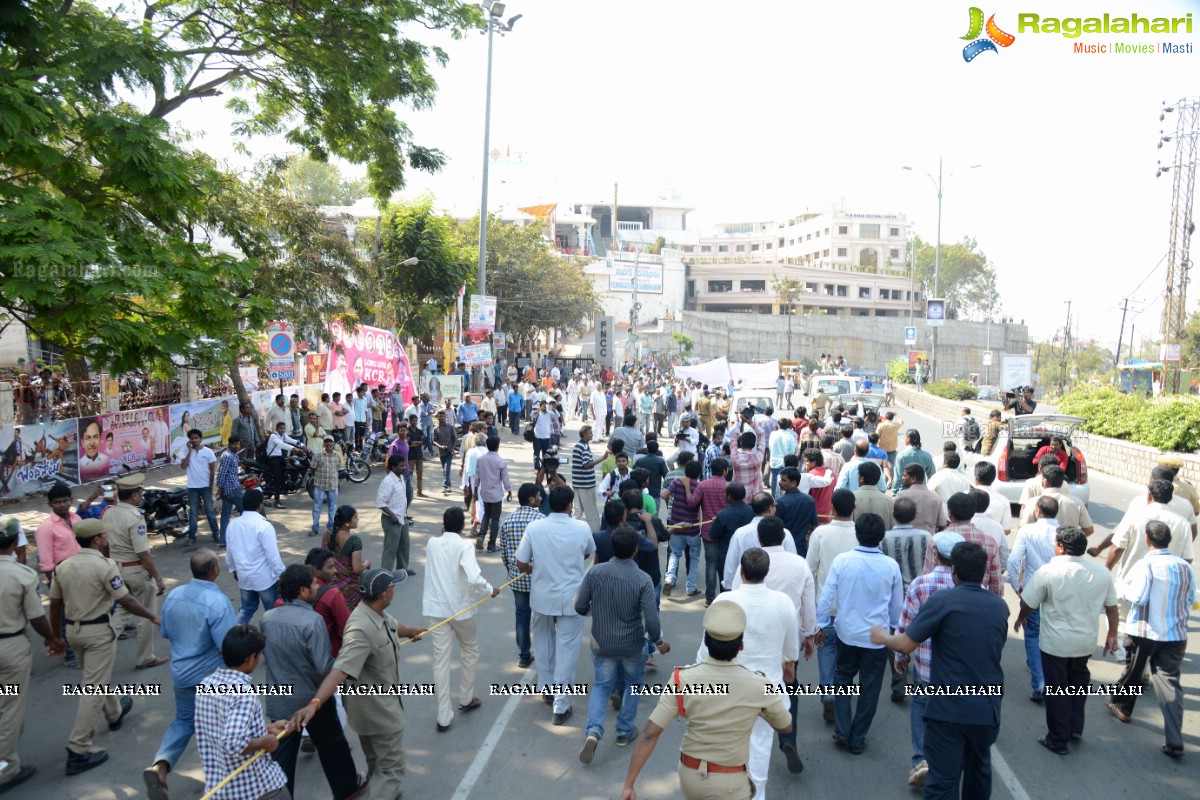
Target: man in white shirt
{"points": [[278, 413], [554, 551], [279, 445], [392, 502], [252, 557], [599, 406], [948, 481], [998, 507], [200, 464], [1032, 550], [826, 543], [789, 573], [453, 582], [745, 537], [771, 645]]}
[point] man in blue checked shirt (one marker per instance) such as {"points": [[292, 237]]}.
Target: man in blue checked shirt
{"points": [[230, 728], [229, 485], [511, 530]]}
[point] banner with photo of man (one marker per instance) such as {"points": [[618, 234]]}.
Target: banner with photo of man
{"points": [[122, 442], [34, 457], [441, 388], [367, 355]]}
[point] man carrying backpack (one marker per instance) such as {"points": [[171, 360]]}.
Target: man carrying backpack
{"points": [[970, 432]]}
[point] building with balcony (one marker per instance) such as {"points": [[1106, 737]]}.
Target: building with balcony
{"points": [[747, 288]]}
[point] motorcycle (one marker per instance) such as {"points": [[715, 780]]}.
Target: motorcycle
{"points": [[298, 473], [166, 512], [376, 446]]}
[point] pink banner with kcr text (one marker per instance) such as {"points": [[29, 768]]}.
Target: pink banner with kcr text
{"points": [[363, 354]]}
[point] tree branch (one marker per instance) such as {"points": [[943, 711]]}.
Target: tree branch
{"points": [[164, 107]]}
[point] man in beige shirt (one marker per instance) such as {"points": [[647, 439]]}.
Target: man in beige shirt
{"points": [[867, 497], [931, 511], [889, 433], [1071, 591], [1070, 510]]}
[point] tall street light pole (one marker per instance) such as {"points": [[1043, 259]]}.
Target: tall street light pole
{"points": [[492, 11], [938, 185]]}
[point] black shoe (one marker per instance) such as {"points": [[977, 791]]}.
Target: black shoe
{"points": [[82, 762], [525, 663], [493, 549], [561, 719], [827, 712], [278, 504], [23, 774], [307, 746], [126, 707], [1044, 742], [795, 765], [1039, 696], [898, 694], [624, 739], [548, 699], [411, 572]]}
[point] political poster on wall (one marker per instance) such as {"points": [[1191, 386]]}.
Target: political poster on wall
{"points": [[33, 457], [441, 388], [366, 355], [122, 442], [213, 418], [315, 366]]}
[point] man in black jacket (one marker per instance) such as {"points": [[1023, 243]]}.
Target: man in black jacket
{"points": [[736, 514]]}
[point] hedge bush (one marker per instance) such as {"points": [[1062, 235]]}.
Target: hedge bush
{"points": [[1170, 422], [953, 390], [898, 371]]}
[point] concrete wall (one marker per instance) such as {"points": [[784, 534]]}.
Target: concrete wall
{"points": [[866, 342], [1111, 456]]}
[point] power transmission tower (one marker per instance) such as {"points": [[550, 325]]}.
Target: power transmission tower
{"points": [[1183, 190]]}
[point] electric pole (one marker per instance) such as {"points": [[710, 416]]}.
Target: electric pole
{"points": [[1121, 337], [1062, 367], [1183, 190]]}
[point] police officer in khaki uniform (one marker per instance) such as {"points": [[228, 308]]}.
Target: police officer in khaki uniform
{"points": [[704, 410], [1182, 488], [130, 548], [19, 605], [370, 656], [716, 744], [83, 589]]}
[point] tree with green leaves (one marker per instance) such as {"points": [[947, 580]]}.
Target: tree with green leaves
{"points": [[414, 297], [788, 290], [536, 289], [108, 219], [684, 342], [967, 280], [319, 183]]}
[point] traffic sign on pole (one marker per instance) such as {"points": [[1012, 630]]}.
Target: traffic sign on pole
{"points": [[910, 335]]}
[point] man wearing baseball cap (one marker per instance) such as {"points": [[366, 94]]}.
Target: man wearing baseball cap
{"points": [[716, 744], [370, 658]]}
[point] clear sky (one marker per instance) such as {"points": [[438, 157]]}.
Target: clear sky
{"points": [[762, 109]]}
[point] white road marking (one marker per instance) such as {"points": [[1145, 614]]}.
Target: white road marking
{"points": [[493, 738], [1006, 775]]}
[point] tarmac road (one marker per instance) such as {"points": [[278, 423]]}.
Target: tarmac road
{"points": [[509, 748]]}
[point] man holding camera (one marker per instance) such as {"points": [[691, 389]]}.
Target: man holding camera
{"points": [[1020, 401]]}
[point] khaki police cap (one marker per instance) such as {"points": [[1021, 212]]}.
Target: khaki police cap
{"points": [[133, 481], [88, 529], [1171, 462], [725, 621]]}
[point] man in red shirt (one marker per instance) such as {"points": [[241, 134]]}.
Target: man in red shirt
{"points": [[1056, 448], [55, 539], [330, 603], [709, 496]]}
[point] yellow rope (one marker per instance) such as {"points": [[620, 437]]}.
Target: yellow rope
{"points": [[459, 614], [285, 731], [234, 774]]}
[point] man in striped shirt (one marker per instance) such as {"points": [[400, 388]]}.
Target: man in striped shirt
{"points": [[1161, 591], [583, 478], [622, 602], [229, 487], [511, 531], [916, 594], [709, 496], [1033, 549], [685, 535], [906, 544]]}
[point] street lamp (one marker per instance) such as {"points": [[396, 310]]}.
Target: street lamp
{"points": [[493, 11], [938, 186]]}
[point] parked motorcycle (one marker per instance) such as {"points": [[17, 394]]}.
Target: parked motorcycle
{"points": [[376, 446], [298, 473], [166, 512]]}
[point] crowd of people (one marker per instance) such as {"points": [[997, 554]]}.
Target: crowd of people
{"points": [[812, 535]]}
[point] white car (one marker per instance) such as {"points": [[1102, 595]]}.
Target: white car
{"points": [[834, 385], [761, 399], [1017, 443]]}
